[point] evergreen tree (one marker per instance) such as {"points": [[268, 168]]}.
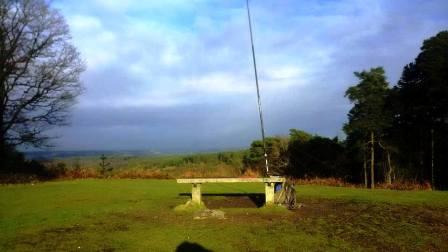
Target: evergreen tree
{"points": [[367, 118], [420, 106]]}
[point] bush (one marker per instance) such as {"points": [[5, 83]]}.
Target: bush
{"points": [[406, 185], [323, 181], [141, 173]]}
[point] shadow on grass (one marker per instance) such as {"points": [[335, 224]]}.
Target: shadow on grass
{"points": [[189, 246], [231, 200]]}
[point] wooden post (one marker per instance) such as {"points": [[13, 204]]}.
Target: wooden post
{"points": [[269, 193], [196, 196]]}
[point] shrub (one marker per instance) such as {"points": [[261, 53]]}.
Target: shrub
{"points": [[407, 185], [141, 173]]}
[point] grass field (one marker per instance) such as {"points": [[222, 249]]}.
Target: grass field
{"points": [[138, 215]]}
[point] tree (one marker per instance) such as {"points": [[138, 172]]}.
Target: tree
{"points": [[315, 156], [420, 102], [104, 165], [368, 116], [299, 135], [39, 72], [276, 148], [355, 152]]}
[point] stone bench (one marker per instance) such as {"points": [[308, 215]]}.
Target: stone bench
{"points": [[196, 196]]}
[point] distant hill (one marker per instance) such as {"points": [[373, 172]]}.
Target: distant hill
{"points": [[47, 155], [44, 155]]}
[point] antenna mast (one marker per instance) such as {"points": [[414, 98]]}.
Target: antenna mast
{"points": [[258, 89]]}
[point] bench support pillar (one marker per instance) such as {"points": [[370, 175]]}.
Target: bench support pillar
{"points": [[196, 196], [269, 193]]}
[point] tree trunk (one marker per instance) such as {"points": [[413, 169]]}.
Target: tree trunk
{"points": [[389, 170], [3, 152], [365, 169], [432, 160], [372, 160]]}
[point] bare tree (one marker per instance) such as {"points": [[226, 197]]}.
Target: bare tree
{"points": [[39, 72]]}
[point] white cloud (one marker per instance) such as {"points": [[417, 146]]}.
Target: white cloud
{"points": [[123, 6], [171, 56], [219, 83], [284, 72], [97, 44], [82, 22], [171, 65], [115, 5]]}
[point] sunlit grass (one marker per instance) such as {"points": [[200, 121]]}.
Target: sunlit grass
{"points": [[138, 215]]}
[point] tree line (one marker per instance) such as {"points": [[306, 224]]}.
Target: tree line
{"points": [[393, 133]]}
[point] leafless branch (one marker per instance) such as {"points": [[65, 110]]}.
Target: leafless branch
{"points": [[39, 71]]}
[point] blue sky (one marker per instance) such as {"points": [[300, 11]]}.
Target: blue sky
{"points": [[177, 75]]}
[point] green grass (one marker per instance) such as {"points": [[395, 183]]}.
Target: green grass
{"points": [[138, 215]]}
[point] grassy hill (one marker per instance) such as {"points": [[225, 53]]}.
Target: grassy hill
{"points": [[134, 215]]}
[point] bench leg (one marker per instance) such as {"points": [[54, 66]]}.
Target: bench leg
{"points": [[269, 193], [196, 196]]}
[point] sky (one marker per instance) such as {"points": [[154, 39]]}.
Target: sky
{"points": [[177, 75]]}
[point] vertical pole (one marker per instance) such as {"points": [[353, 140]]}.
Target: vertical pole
{"points": [[258, 89]]}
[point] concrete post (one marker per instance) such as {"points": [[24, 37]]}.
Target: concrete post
{"points": [[269, 193], [196, 194]]}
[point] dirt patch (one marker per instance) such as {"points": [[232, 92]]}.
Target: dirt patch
{"points": [[64, 230], [112, 227], [209, 214], [383, 227], [235, 200], [376, 225], [52, 239], [324, 208]]}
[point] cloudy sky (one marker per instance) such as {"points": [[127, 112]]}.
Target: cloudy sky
{"points": [[176, 75]]}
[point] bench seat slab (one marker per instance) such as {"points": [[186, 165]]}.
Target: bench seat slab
{"points": [[231, 180]]}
